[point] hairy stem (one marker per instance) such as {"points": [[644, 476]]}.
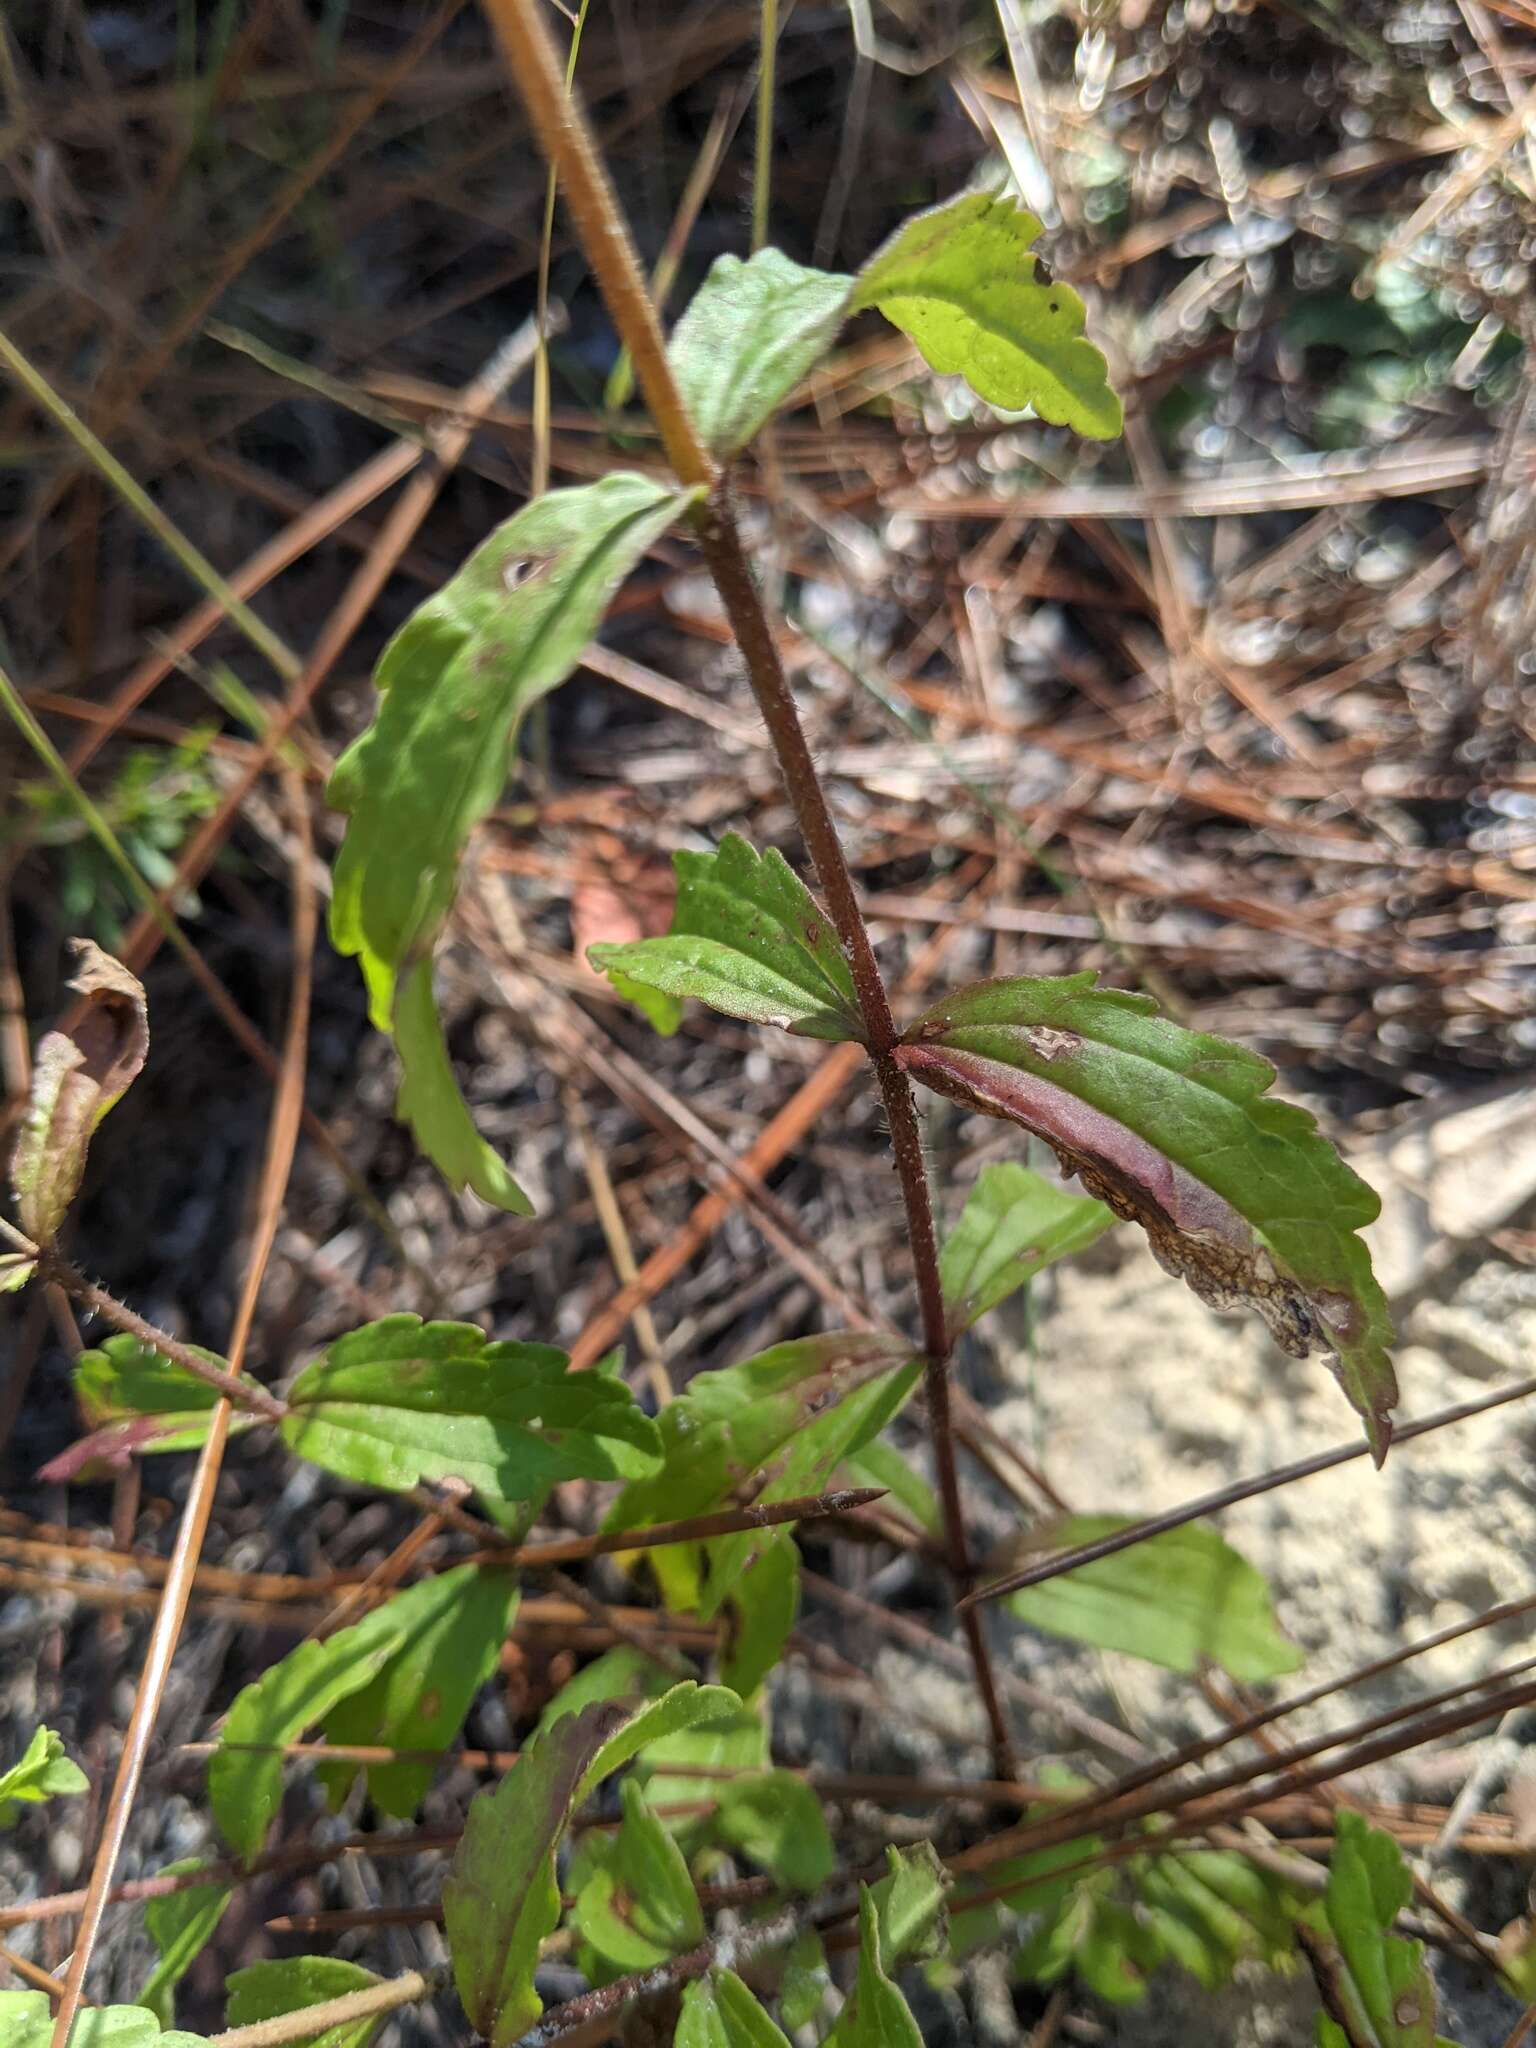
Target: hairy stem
{"points": [[567, 143], [241, 1392]]}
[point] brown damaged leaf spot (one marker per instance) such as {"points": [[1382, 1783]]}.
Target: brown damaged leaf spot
{"points": [[1193, 1233], [1050, 1044], [77, 1076]]}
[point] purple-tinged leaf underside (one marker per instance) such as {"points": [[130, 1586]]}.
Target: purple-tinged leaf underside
{"points": [[1241, 1196]]}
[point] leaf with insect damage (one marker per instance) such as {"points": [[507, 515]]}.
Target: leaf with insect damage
{"points": [[400, 1401], [749, 939], [960, 280], [750, 333], [77, 1075], [454, 685], [1240, 1195]]}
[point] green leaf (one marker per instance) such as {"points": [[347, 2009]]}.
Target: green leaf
{"points": [[26, 2021], [431, 1102], [77, 1076], [1240, 1195], [501, 1898], [960, 280], [881, 1464], [1202, 1910], [751, 332], [137, 1402], [454, 684], [1013, 1225], [180, 1924], [720, 2012], [264, 1991], [728, 1744], [16, 1269], [682, 1708], [776, 1819], [805, 1982], [620, 1673], [876, 2016], [800, 1408], [1176, 1600], [1374, 1983], [41, 1772], [911, 1903], [749, 939], [400, 1401], [420, 1697], [245, 1773], [639, 1906], [806, 1465], [765, 1602]]}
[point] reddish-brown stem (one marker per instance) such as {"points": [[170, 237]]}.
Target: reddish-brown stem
{"points": [[566, 140]]}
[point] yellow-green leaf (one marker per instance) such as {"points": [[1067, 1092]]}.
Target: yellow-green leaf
{"points": [[961, 281], [1176, 1599]]}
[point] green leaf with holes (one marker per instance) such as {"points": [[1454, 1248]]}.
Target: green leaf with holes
{"points": [[1240, 1195], [962, 282], [1013, 1225], [401, 1401], [749, 939], [751, 332], [1178, 1599]]}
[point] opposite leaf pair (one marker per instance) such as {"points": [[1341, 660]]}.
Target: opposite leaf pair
{"points": [[1240, 1195]]}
